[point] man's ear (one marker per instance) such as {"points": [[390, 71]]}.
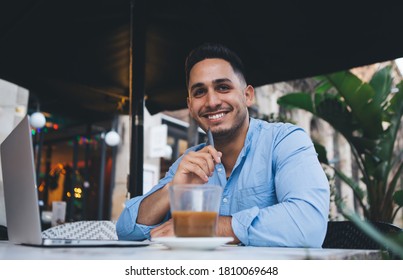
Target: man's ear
{"points": [[249, 95]]}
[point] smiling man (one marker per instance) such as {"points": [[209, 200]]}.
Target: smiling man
{"points": [[275, 192]]}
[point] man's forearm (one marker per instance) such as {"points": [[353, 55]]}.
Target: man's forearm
{"points": [[154, 208], [225, 228]]}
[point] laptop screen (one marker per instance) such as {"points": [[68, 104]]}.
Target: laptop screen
{"points": [[20, 192]]}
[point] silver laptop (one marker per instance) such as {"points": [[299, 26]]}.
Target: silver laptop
{"points": [[21, 197]]}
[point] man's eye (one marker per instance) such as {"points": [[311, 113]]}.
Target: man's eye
{"points": [[223, 88], [198, 92]]}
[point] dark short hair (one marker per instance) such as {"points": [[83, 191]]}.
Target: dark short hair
{"points": [[213, 50]]}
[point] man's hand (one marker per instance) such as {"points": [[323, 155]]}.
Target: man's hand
{"points": [[197, 167]]}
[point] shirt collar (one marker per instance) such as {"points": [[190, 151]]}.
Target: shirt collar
{"points": [[253, 123]]}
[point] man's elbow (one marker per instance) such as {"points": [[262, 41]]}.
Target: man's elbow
{"points": [[122, 231], [126, 229], [314, 234]]}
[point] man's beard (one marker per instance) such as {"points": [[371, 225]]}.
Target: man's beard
{"points": [[226, 134]]}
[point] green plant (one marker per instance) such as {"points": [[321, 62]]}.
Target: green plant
{"points": [[368, 115]]}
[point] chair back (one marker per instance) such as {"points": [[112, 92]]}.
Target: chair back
{"points": [[346, 235]]}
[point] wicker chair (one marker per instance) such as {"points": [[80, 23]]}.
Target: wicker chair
{"points": [[77, 230], [103, 230], [346, 235]]}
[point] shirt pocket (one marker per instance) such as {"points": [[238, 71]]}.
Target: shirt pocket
{"points": [[261, 196]]}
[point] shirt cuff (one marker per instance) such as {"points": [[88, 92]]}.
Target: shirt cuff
{"points": [[126, 228], [241, 222]]}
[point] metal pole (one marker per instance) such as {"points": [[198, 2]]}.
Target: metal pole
{"points": [[113, 171], [72, 181], [101, 178], [39, 156], [137, 79], [47, 176], [86, 172]]}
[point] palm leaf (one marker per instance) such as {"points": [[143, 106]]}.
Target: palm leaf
{"points": [[381, 82], [299, 100], [359, 96]]}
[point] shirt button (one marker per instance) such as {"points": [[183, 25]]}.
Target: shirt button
{"points": [[225, 200], [219, 169]]}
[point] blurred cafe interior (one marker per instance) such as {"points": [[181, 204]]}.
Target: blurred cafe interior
{"points": [[108, 78]]}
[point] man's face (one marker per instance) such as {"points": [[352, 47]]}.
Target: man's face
{"points": [[218, 98]]}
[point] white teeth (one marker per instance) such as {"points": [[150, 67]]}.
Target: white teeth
{"points": [[214, 117]]}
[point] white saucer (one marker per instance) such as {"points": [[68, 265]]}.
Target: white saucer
{"points": [[188, 243]]}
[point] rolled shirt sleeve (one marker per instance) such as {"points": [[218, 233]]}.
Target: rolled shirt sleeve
{"points": [[299, 219], [126, 227]]}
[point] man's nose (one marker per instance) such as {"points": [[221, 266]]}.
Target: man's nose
{"points": [[213, 99]]}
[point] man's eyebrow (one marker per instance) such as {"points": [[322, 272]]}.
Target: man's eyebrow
{"points": [[196, 85], [222, 80], [217, 81]]}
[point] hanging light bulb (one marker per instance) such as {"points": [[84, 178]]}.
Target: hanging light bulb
{"points": [[37, 120], [112, 138]]}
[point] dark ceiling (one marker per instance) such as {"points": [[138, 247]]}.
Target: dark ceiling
{"points": [[74, 56]]}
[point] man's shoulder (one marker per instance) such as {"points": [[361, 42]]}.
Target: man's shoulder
{"points": [[272, 127], [275, 132]]}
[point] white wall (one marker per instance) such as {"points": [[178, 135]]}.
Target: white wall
{"points": [[123, 161]]}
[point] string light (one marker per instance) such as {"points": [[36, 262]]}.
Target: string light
{"points": [[112, 138], [37, 120]]}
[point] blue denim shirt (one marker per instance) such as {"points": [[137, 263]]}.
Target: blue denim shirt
{"points": [[277, 194]]}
